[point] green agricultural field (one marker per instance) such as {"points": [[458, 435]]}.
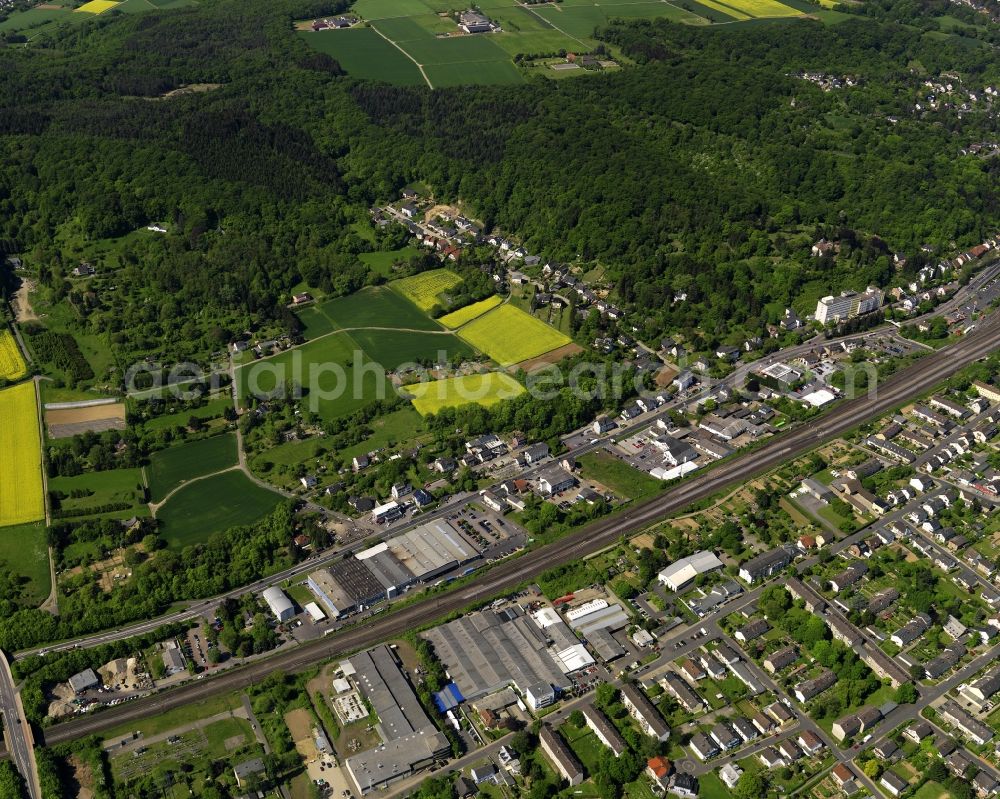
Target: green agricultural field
{"points": [[35, 20], [365, 54], [171, 468], [508, 335], [480, 389], [624, 480], [410, 40], [464, 315], [213, 505], [426, 290], [392, 348], [377, 306], [580, 21], [100, 489], [23, 550], [331, 370], [486, 73]]}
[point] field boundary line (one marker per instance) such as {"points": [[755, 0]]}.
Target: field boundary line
{"points": [[347, 331], [679, 8], [419, 65], [556, 27]]}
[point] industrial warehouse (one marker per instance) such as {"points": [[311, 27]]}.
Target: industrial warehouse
{"points": [[386, 570], [493, 649], [410, 741]]}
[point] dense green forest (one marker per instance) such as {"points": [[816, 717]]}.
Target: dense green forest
{"points": [[708, 168]]}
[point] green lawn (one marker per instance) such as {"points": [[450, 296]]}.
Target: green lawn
{"points": [[617, 475], [336, 376], [100, 489], [170, 468], [23, 549], [211, 506], [585, 745], [931, 790], [711, 787]]}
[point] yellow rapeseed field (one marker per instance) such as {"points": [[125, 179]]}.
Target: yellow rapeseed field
{"points": [[508, 335], [423, 290], [12, 365], [21, 497], [762, 8], [479, 389], [469, 312], [97, 6]]}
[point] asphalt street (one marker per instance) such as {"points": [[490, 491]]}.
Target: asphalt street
{"points": [[17, 731]]}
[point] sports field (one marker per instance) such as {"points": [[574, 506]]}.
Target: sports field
{"points": [[213, 505], [377, 306], [425, 289], [172, 467], [464, 315], [508, 335], [335, 374], [21, 498], [481, 389], [12, 366]]}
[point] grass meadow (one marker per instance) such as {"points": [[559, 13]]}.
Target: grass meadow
{"points": [[333, 367], [24, 551], [97, 489], [213, 505], [624, 480]]}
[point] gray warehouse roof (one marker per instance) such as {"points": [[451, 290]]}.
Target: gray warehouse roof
{"points": [[391, 695], [486, 651]]}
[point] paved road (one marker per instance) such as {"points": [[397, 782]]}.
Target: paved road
{"points": [[905, 384], [16, 731]]}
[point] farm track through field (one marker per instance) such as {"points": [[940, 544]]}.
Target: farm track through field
{"points": [[531, 11], [155, 506], [419, 65]]}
